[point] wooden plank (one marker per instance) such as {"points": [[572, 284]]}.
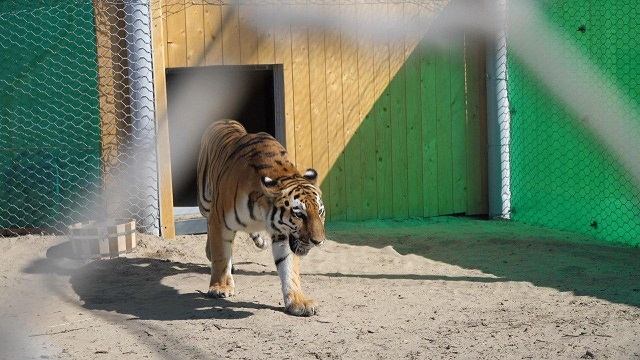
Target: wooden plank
{"points": [[167, 225], [443, 132], [302, 96], [366, 89], [212, 15], [194, 19], [382, 110], [414, 115], [399, 126], [230, 35], [283, 56], [248, 35], [266, 37], [176, 35], [458, 125], [336, 204], [112, 95], [165, 11], [105, 19], [395, 12], [429, 130], [318, 94], [351, 115], [477, 195]]}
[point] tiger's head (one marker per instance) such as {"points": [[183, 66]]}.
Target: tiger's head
{"points": [[297, 213]]}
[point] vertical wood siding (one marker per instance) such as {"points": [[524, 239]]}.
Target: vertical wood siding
{"points": [[395, 128]]}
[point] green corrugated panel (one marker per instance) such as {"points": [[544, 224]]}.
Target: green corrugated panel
{"points": [[561, 176], [49, 112]]}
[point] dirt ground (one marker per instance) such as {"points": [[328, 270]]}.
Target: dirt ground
{"points": [[420, 289]]}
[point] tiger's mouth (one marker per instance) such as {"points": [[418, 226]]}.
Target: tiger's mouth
{"points": [[298, 247]]}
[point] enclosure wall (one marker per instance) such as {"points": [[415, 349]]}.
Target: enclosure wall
{"points": [[562, 175], [395, 129]]}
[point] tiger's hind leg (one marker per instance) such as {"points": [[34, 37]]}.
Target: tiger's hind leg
{"points": [[220, 249], [208, 252]]}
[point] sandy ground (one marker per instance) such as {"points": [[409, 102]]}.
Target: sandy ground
{"points": [[434, 289]]}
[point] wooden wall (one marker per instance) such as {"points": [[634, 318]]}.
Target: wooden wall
{"points": [[395, 129]]}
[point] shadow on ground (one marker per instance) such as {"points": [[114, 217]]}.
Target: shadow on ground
{"points": [[511, 251], [133, 286]]}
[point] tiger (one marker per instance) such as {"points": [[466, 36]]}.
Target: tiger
{"points": [[246, 182]]}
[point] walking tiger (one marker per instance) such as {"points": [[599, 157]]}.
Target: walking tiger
{"points": [[246, 182]]}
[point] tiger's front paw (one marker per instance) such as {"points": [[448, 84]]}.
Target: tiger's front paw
{"points": [[302, 307], [220, 291]]}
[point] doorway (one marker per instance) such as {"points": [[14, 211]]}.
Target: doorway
{"points": [[198, 96]]}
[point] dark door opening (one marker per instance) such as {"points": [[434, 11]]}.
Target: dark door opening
{"points": [[198, 96]]}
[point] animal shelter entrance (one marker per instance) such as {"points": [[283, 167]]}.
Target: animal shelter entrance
{"points": [[197, 96]]}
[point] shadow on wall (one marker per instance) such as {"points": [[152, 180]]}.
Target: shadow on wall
{"points": [[511, 251], [418, 150]]}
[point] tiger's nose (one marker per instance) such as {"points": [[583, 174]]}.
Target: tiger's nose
{"points": [[317, 242]]}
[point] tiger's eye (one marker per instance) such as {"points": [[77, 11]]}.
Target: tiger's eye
{"points": [[286, 203]]}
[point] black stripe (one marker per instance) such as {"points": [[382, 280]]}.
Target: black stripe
{"points": [[256, 140], [235, 209], [225, 223], [250, 206], [204, 174], [284, 223], [273, 216], [282, 259], [257, 168], [279, 238], [255, 154]]}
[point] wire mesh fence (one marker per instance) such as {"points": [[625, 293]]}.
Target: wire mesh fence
{"points": [[78, 108], [76, 115], [565, 171]]}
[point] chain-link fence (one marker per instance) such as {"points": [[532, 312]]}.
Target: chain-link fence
{"points": [[76, 114], [572, 157]]}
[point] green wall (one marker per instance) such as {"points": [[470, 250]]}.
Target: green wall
{"points": [[419, 151], [561, 176], [49, 113]]}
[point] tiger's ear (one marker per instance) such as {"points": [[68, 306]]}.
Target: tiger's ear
{"points": [[311, 175], [269, 185]]}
